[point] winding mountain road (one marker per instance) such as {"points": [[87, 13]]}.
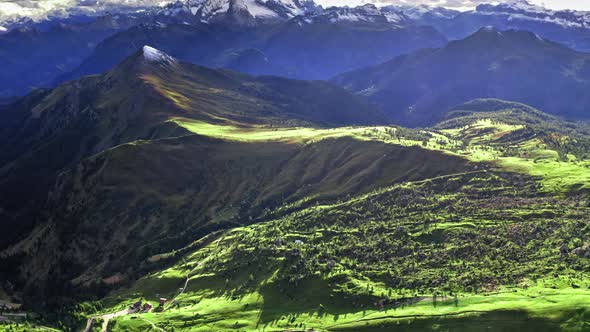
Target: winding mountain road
{"points": [[106, 318]]}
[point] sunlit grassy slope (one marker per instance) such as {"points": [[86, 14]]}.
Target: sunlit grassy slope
{"points": [[254, 295], [508, 146], [264, 133], [327, 267], [501, 246]]}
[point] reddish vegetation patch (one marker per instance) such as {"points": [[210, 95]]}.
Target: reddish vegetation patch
{"points": [[114, 279]]}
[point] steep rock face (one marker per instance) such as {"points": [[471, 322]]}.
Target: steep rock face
{"points": [[238, 11], [418, 88]]}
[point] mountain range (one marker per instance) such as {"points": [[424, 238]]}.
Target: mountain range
{"points": [[419, 88], [568, 27], [293, 39], [248, 165]]}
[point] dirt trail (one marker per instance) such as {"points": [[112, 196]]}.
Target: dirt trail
{"points": [[154, 326], [107, 317], [180, 293], [188, 277]]}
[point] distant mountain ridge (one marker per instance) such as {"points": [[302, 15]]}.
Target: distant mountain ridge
{"points": [[316, 46], [296, 39], [418, 88], [33, 56], [569, 27], [523, 9], [238, 11], [368, 14], [516, 11]]}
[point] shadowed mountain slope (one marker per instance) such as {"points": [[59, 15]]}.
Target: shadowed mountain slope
{"points": [[128, 203], [433, 248], [33, 56], [126, 180], [303, 47], [50, 130], [418, 88]]}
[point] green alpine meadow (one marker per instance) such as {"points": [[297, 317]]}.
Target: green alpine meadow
{"points": [[251, 166]]}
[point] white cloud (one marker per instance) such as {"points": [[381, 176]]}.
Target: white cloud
{"points": [[11, 10], [462, 4], [565, 4]]}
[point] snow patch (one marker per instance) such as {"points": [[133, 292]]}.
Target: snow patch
{"points": [[364, 13], [151, 54], [257, 10], [206, 10], [393, 17], [492, 29], [525, 10]]}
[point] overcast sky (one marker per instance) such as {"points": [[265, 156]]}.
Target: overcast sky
{"points": [[41, 8]]}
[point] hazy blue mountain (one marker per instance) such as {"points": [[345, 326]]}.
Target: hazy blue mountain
{"points": [[314, 46], [569, 27], [34, 55], [297, 39], [419, 88]]}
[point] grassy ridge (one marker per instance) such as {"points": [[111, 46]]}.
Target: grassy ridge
{"points": [[477, 223], [144, 198], [490, 248], [512, 145], [311, 268]]}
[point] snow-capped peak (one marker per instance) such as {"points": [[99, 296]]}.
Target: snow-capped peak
{"points": [[490, 29], [418, 12], [367, 13], [212, 10], [151, 54], [525, 10], [523, 5]]}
